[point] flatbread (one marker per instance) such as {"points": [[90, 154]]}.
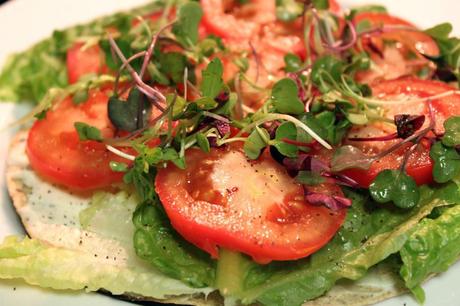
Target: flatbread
{"points": [[50, 213]]}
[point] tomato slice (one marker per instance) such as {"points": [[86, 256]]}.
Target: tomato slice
{"points": [[56, 153], [83, 61], [419, 165], [223, 200], [398, 59], [241, 22]]}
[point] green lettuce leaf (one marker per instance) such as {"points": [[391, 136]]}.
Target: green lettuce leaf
{"points": [[159, 244], [108, 218], [27, 76], [432, 248], [58, 268]]}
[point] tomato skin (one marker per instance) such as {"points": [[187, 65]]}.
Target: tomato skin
{"points": [[419, 165], [226, 213], [56, 153]]}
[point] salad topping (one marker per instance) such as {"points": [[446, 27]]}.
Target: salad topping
{"points": [[245, 125]]}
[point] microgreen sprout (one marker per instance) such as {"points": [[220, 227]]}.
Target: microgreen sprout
{"points": [[347, 157]]}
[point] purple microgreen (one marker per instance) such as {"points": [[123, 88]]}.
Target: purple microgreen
{"points": [[332, 202], [123, 66], [223, 127], [340, 46], [143, 87], [407, 125], [302, 92], [149, 52]]}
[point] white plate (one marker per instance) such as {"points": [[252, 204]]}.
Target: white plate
{"points": [[23, 22]]}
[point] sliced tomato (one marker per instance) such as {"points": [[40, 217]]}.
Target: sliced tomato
{"points": [[416, 40], [83, 61], [419, 165], [228, 20], [334, 7], [56, 153], [223, 200], [401, 58]]}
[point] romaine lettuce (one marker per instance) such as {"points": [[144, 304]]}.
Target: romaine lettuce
{"points": [[432, 248]]}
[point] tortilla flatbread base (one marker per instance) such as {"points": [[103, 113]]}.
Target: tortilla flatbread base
{"points": [[50, 213]]}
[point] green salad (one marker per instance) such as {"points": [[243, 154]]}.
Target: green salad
{"points": [[237, 152]]}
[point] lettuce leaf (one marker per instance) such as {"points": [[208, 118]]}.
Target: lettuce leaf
{"points": [[432, 248], [58, 268], [27, 76], [158, 243], [108, 218]]}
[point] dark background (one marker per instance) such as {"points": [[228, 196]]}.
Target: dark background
{"points": [[2, 1]]}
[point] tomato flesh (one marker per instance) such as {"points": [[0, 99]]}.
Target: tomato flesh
{"points": [[419, 165], [56, 153], [223, 200], [83, 61]]}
